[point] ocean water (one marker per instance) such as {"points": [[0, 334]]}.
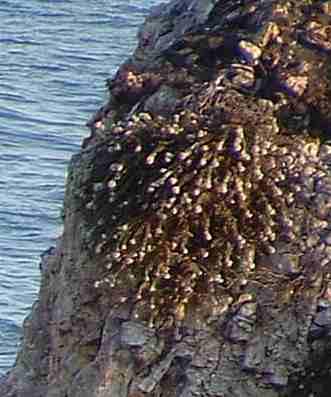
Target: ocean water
{"points": [[55, 57]]}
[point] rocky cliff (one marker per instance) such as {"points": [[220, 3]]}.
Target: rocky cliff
{"points": [[196, 253]]}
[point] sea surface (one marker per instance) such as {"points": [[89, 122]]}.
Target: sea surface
{"points": [[55, 57]]}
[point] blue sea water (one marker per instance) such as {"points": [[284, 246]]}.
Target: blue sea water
{"points": [[55, 57]]}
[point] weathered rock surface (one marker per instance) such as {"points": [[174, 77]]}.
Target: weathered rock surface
{"points": [[196, 253]]}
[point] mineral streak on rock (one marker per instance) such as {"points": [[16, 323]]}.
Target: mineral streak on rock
{"points": [[196, 253]]}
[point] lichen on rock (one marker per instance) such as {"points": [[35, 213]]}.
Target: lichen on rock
{"points": [[192, 205], [187, 207]]}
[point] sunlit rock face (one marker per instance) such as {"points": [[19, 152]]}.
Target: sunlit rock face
{"points": [[195, 259], [218, 211]]}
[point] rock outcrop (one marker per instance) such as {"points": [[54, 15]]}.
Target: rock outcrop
{"points": [[196, 253]]}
